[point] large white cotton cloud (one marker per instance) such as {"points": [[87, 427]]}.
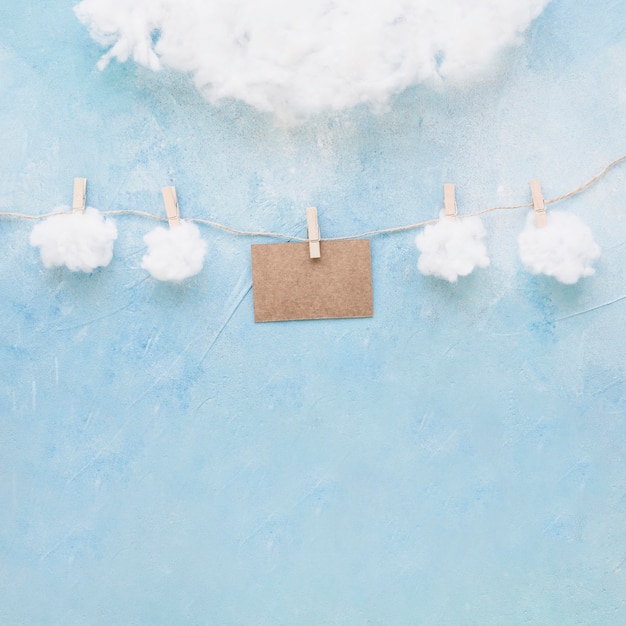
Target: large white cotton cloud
{"points": [[564, 249], [174, 253], [452, 248], [295, 57], [79, 241]]}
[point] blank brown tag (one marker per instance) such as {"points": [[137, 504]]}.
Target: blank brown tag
{"points": [[289, 285]]}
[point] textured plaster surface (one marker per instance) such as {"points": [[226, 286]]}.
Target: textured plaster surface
{"points": [[456, 459]]}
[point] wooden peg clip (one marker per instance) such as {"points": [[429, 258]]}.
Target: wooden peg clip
{"points": [[80, 195], [171, 206], [313, 233], [449, 201], [539, 204]]}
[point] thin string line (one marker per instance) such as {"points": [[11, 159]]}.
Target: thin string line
{"points": [[382, 231], [23, 216], [249, 233], [590, 182]]}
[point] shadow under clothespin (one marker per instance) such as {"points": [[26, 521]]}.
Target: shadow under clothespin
{"points": [[539, 205], [171, 206]]}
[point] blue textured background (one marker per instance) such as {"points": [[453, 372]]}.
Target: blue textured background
{"points": [[457, 459]]}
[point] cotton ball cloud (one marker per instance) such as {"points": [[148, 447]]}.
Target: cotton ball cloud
{"points": [[564, 249], [297, 57], [452, 248], [79, 241], [175, 253]]}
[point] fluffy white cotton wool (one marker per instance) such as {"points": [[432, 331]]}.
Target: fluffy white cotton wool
{"points": [[452, 248], [295, 57], [564, 249], [174, 253], [79, 241]]}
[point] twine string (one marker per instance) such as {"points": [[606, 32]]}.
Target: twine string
{"points": [[382, 231]]}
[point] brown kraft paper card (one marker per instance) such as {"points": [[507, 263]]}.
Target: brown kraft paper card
{"points": [[288, 285]]}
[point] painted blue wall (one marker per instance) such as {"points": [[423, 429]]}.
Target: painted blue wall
{"points": [[456, 459]]}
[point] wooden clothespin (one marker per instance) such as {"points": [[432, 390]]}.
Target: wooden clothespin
{"points": [[539, 204], [171, 206], [449, 201], [80, 195], [313, 232]]}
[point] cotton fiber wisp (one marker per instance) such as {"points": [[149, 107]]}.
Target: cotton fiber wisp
{"points": [[452, 248], [175, 253], [80, 241], [564, 249], [296, 57]]}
